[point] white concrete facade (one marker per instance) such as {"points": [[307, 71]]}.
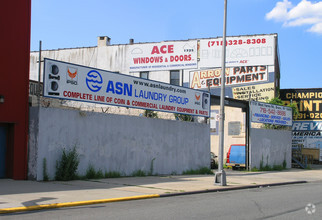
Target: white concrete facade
{"points": [[111, 142], [270, 147], [106, 57]]}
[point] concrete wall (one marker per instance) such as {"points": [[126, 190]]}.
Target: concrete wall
{"points": [[115, 142], [270, 146]]}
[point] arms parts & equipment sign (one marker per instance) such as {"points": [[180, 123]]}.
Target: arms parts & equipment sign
{"points": [[234, 76], [79, 83]]}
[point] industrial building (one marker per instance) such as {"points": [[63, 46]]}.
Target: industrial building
{"points": [[307, 127], [252, 72], [15, 23]]}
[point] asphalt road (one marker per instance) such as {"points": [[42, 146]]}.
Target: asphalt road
{"points": [[301, 201]]}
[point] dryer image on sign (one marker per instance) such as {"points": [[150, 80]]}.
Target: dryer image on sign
{"points": [[202, 100], [53, 80], [205, 97]]}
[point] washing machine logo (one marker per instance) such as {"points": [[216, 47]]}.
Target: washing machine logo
{"points": [[94, 81]]}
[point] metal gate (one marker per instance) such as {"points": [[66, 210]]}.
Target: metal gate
{"points": [[3, 150]]}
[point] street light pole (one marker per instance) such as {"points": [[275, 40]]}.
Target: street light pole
{"points": [[220, 176]]}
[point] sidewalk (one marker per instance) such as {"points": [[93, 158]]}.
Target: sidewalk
{"points": [[30, 195]]}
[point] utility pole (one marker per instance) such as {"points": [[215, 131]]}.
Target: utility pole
{"points": [[220, 175], [39, 72]]}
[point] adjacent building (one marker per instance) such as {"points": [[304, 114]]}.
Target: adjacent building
{"points": [[252, 72], [307, 127], [15, 53]]}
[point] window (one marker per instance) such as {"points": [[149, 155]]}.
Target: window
{"points": [[234, 128], [175, 77], [144, 75]]}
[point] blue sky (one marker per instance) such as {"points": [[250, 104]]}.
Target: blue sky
{"points": [[78, 23]]}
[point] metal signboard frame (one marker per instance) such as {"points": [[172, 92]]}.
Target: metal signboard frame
{"points": [[80, 83], [270, 114]]}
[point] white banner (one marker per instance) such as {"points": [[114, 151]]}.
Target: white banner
{"points": [[74, 82], [240, 51], [270, 114], [163, 56], [235, 76]]}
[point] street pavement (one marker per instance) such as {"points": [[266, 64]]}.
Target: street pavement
{"points": [[17, 196]]}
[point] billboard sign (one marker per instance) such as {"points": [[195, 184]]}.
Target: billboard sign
{"points": [[308, 101], [270, 114], [307, 127], [240, 51], [234, 76], [307, 134], [79, 83], [163, 56]]}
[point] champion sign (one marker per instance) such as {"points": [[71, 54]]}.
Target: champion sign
{"points": [[104, 87]]}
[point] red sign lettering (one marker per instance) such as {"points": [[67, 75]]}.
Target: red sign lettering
{"points": [[163, 49]]}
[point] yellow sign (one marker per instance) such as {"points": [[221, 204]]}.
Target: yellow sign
{"points": [[308, 102], [234, 76], [259, 92]]}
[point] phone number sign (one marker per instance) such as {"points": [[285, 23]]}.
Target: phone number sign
{"points": [[270, 114], [240, 51]]}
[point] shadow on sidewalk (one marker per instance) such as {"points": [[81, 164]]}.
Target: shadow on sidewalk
{"points": [[9, 186]]}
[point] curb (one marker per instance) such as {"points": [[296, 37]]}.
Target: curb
{"points": [[70, 204], [91, 202], [232, 188]]}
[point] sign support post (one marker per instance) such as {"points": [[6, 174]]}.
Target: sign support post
{"points": [[39, 72]]}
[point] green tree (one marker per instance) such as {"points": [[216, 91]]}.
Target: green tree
{"points": [[183, 117], [150, 114], [67, 166], [278, 101]]}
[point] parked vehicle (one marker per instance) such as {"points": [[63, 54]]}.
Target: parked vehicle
{"points": [[236, 156], [213, 161]]}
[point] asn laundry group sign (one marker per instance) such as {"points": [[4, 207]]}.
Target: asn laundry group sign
{"points": [[163, 56], [80, 83]]}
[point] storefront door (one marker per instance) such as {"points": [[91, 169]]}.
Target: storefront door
{"points": [[3, 149]]}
